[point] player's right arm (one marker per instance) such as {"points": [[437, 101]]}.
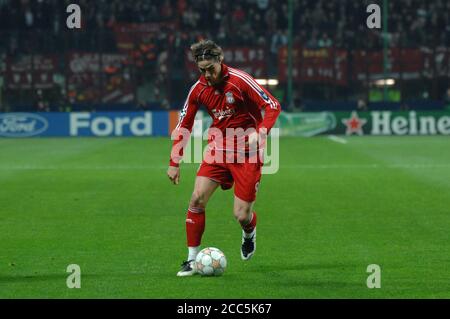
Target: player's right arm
{"points": [[182, 132]]}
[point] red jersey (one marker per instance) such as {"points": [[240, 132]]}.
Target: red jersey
{"points": [[235, 102]]}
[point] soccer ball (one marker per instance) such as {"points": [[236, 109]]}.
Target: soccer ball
{"points": [[210, 262]]}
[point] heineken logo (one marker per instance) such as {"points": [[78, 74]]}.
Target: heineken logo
{"points": [[389, 123], [354, 124], [384, 123]]}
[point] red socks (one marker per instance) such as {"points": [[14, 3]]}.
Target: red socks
{"points": [[195, 226], [250, 226]]}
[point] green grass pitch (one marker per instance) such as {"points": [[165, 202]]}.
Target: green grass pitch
{"points": [[330, 211]]}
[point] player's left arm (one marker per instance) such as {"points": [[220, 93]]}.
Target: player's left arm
{"points": [[262, 98]]}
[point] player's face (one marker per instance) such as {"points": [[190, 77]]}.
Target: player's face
{"points": [[211, 70]]}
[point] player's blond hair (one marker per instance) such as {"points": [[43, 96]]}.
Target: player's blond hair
{"points": [[206, 50]]}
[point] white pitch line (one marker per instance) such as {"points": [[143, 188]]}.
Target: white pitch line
{"points": [[150, 167], [88, 168], [336, 139], [367, 166]]}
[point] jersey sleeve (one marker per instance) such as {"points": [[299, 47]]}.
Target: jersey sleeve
{"points": [[182, 132], [263, 99]]}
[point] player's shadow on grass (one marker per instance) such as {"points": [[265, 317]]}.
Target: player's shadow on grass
{"points": [[304, 267], [320, 283], [40, 277], [307, 271]]}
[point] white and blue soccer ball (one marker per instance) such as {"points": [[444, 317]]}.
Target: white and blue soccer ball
{"points": [[210, 261]]}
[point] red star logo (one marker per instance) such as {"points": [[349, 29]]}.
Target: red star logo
{"points": [[354, 124]]}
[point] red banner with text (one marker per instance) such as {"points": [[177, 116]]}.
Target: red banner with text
{"points": [[29, 72], [326, 65], [103, 78], [337, 66]]}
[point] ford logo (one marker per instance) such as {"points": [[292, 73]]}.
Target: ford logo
{"points": [[22, 124]]}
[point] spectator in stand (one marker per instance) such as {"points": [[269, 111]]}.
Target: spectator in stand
{"points": [[42, 104]]}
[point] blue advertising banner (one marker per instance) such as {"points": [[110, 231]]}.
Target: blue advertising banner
{"points": [[34, 124], [102, 124]]}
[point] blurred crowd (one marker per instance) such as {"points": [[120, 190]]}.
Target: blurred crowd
{"points": [[39, 26], [317, 23]]}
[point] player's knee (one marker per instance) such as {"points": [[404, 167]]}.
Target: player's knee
{"points": [[241, 214], [198, 199]]}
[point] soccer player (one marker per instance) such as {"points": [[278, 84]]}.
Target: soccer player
{"points": [[234, 100]]}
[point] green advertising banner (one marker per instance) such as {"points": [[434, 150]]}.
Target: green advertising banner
{"points": [[364, 123], [305, 124]]}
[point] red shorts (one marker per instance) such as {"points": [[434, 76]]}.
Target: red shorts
{"points": [[246, 176]]}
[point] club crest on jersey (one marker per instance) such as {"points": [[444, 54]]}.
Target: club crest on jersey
{"points": [[230, 97]]}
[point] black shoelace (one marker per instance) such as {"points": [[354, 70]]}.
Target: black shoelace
{"points": [[248, 244], [186, 264]]}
